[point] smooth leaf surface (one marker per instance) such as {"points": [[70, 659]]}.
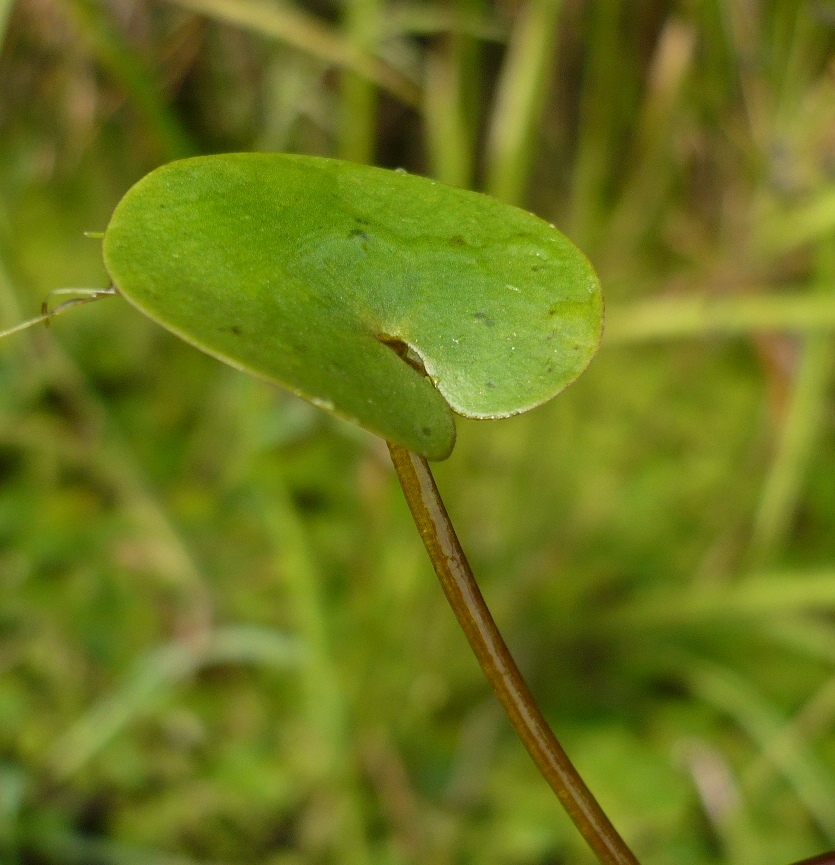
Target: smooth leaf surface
{"points": [[319, 274]]}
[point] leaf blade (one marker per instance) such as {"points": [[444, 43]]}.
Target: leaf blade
{"points": [[304, 270]]}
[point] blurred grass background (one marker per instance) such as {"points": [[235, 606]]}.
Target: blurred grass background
{"points": [[220, 638]]}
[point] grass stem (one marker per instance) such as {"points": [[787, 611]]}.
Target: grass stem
{"points": [[466, 600], [800, 431], [520, 98], [309, 34], [358, 122], [668, 318], [135, 73], [5, 15]]}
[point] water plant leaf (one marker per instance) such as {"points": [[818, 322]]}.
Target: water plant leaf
{"points": [[387, 298]]}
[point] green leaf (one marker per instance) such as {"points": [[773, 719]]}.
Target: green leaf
{"points": [[343, 282]]}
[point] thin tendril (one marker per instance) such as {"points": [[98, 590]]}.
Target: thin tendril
{"points": [[466, 600], [88, 295]]}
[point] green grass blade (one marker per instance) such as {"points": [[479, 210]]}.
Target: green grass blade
{"points": [[5, 15], [331, 752], [154, 677], [307, 33], [734, 696], [602, 68], [794, 227], [10, 308], [519, 99], [761, 596], [178, 574], [808, 636], [130, 69], [814, 719], [796, 443], [798, 45], [358, 103], [456, 70], [799, 434], [462, 18], [649, 168], [672, 318], [451, 111]]}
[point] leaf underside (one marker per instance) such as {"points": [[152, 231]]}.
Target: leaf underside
{"points": [[344, 283]]}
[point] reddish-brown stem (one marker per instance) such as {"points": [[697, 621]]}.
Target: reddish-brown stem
{"points": [[468, 604], [823, 859]]}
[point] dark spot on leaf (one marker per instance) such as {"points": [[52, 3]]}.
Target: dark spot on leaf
{"points": [[361, 221], [490, 385], [482, 316], [554, 310], [426, 431], [537, 267], [457, 240], [358, 233], [235, 329]]}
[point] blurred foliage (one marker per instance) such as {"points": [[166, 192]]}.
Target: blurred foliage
{"points": [[220, 639]]}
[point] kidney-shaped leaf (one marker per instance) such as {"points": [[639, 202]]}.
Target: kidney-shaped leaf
{"points": [[345, 284]]}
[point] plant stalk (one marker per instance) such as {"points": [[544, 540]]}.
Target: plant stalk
{"points": [[823, 859], [467, 602]]}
